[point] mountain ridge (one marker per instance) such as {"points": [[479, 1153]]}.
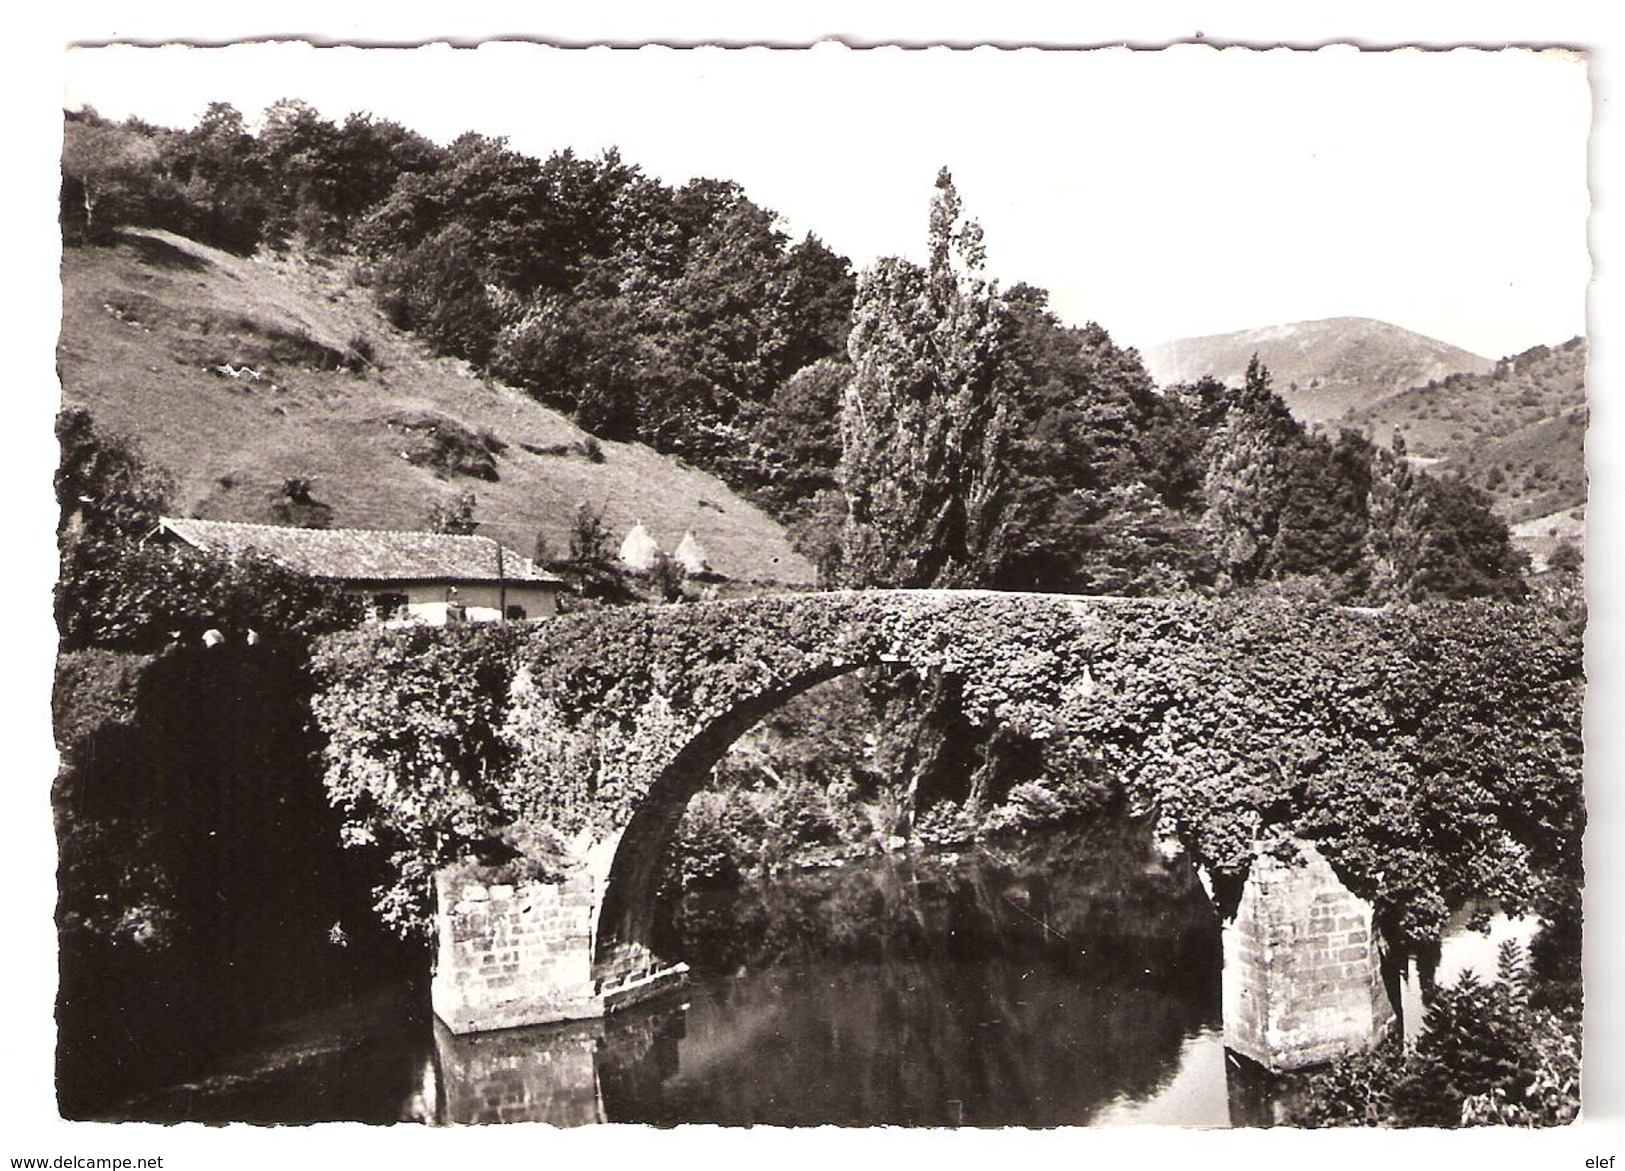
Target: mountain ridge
{"points": [[1323, 368], [1517, 431]]}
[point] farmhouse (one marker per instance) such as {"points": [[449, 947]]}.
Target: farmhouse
{"points": [[433, 578]]}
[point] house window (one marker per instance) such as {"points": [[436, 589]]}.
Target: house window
{"points": [[388, 607], [515, 613]]}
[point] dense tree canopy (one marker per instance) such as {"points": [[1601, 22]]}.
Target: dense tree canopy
{"points": [[918, 426], [1105, 472]]}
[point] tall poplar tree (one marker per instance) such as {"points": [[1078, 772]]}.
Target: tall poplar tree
{"points": [[1249, 468], [925, 421]]}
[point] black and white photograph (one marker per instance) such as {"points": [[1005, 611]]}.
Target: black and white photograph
{"points": [[967, 588]]}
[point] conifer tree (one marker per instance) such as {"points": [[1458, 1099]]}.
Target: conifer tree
{"points": [[1249, 470], [1393, 522]]}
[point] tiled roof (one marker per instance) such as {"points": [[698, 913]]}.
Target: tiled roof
{"points": [[361, 554]]}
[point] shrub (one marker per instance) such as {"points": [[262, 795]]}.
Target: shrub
{"points": [[1045, 802], [798, 815], [446, 446], [143, 597], [437, 289], [1355, 1091], [362, 352], [706, 850], [668, 577], [455, 517], [106, 488], [1486, 1057], [589, 537], [294, 505], [1566, 556], [943, 823]]}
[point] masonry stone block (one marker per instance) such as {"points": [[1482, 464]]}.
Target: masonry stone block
{"points": [[1313, 989], [514, 954]]}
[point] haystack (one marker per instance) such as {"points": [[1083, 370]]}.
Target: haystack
{"points": [[691, 554], [639, 549]]}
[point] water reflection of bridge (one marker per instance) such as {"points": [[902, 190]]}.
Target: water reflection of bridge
{"points": [[612, 1069], [561, 1074], [1066, 980]]}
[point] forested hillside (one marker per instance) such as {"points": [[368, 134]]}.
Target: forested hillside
{"points": [[1514, 428], [1517, 431], [908, 425]]}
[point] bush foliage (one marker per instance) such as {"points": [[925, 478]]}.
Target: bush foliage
{"points": [[1433, 752], [1487, 1056]]}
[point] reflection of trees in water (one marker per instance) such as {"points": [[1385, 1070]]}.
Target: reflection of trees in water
{"points": [[638, 1056], [896, 1042], [359, 1060], [1103, 886], [1031, 985]]}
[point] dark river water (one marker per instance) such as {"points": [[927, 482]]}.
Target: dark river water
{"points": [[1069, 978]]}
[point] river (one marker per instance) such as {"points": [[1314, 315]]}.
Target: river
{"points": [[1070, 978]]}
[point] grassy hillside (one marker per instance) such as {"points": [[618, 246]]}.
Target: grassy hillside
{"points": [[1543, 536], [240, 374], [1323, 369], [1518, 431]]}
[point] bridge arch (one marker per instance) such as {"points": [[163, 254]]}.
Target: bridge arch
{"points": [[622, 940], [659, 729]]}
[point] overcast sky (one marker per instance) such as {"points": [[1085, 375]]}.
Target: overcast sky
{"points": [[1164, 194]]}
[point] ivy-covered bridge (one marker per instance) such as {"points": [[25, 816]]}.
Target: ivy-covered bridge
{"points": [[525, 778]]}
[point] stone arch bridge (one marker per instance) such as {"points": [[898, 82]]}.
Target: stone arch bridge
{"points": [[579, 741]]}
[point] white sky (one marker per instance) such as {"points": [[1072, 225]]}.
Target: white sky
{"points": [[1163, 194]]}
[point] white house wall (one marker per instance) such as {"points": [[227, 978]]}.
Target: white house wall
{"points": [[430, 603]]}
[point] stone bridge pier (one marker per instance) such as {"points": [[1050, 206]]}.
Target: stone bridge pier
{"points": [[515, 954], [1306, 980]]}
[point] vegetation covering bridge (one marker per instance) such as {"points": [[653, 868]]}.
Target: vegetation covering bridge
{"points": [[1431, 753], [594, 721]]}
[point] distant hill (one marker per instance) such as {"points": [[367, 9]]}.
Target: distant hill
{"points": [[1518, 431], [1323, 369], [239, 375]]}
